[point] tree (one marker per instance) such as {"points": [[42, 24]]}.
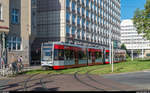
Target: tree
{"points": [[123, 46], [141, 20]]}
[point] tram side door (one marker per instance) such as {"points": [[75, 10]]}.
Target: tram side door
{"points": [[76, 57], [93, 58]]}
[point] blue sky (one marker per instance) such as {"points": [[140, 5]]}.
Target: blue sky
{"points": [[129, 6]]}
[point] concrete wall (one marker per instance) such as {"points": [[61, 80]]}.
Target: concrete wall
{"points": [[4, 23]]}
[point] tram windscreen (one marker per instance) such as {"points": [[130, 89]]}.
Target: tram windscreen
{"points": [[47, 53]]}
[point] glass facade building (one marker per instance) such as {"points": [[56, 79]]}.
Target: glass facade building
{"points": [[86, 22]]}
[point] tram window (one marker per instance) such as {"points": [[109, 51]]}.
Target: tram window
{"points": [[58, 54], [47, 53], [90, 55], [82, 55], [69, 54], [72, 54], [98, 55]]}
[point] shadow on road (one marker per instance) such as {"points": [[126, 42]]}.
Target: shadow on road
{"points": [[43, 89]]}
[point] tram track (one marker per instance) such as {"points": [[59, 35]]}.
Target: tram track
{"points": [[41, 81], [100, 82], [27, 80], [85, 83], [104, 87]]}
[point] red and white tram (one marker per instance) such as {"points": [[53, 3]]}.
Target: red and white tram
{"points": [[58, 55]]}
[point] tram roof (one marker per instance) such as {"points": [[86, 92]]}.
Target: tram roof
{"points": [[62, 43]]}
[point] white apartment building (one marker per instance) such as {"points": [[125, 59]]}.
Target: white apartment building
{"points": [[131, 38]]}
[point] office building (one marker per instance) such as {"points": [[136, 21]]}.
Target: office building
{"points": [[133, 40], [85, 22]]}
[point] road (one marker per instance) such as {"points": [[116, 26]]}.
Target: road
{"points": [[3, 83], [74, 82], [137, 79], [63, 82]]}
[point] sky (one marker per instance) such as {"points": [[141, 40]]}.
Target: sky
{"points": [[129, 6]]}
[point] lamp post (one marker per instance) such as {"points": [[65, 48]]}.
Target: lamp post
{"points": [[142, 38], [142, 46], [132, 48], [112, 57], [110, 45]]}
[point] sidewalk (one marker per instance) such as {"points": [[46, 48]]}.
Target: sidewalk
{"points": [[25, 69], [32, 68]]}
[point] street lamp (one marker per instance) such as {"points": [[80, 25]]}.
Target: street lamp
{"points": [[110, 45], [142, 46], [132, 48], [142, 38], [112, 56]]}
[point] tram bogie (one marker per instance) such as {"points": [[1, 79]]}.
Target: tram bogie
{"points": [[58, 55]]}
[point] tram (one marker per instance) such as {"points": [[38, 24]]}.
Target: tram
{"points": [[57, 55]]}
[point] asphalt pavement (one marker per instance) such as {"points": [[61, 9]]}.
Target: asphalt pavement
{"points": [[3, 83], [141, 80], [138, 79]]}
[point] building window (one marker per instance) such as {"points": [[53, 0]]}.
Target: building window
{"points": [[67, 16], [67, 30], [14, 43], [1, 12], [73, 19], [67, 3], [15, 16], [73, 6]]}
